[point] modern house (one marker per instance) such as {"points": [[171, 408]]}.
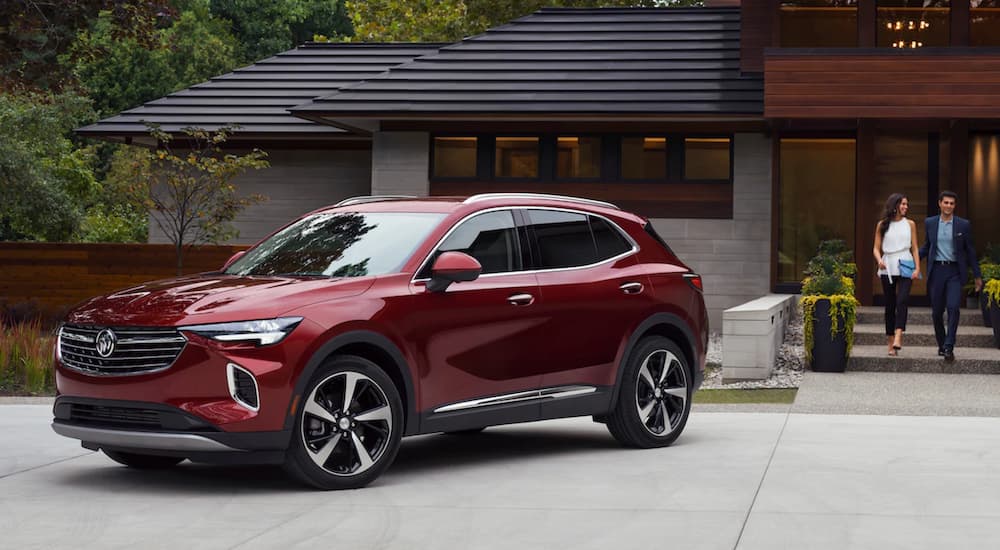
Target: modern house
{"points": [[746, 134]]}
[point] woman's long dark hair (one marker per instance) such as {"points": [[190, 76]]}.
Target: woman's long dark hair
{"points": [[889, 212]]}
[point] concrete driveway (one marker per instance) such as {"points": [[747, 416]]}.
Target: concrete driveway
{"points": [[733, 480]]}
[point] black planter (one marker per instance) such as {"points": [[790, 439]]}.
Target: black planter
{"points": [[829, 354], [987, 318], [995, 317]]}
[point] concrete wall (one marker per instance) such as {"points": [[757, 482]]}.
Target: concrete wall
{"points": [[295, 183], [733, 256], [401, 163]]}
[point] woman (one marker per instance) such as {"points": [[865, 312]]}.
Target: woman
{"points": [[895, 241]]}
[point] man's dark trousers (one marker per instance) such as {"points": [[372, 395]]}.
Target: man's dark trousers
{"points": [[945, 287]]}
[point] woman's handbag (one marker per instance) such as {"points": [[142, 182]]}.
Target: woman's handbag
{"points": [[906, 268]]}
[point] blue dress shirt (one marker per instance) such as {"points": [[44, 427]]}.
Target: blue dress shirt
{"points": [[946, 241]]}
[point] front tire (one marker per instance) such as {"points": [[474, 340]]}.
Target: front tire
{"points": [[348, 429], [143, 462], [654, 400]]}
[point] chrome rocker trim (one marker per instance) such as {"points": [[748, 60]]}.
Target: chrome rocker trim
{"points": [[142, 440], [560, 392]]}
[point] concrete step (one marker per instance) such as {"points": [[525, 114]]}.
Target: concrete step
{"points": [[924, 359], [923, 335], [875, 315]]}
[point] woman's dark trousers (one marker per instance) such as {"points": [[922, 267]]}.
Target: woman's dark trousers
{"points": [[897, 296]]}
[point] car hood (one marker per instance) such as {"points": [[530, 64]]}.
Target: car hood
{"points": [[211, 298]]}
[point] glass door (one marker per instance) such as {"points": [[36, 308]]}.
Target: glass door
{"points": [[915, 165]]}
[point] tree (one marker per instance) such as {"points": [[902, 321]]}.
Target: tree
{"points": [[452, 20], [121, 70], [44, 178], [34, 33], [189, 191], [266, 27]]}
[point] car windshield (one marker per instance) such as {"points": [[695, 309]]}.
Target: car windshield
{"points": [[341, 244]]}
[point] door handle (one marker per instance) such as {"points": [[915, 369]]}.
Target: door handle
{"points": [[521, 299], [631, 288]]}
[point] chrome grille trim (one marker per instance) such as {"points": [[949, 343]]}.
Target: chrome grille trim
{"points": [[138, 350]]}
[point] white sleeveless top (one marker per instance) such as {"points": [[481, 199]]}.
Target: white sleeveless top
{"points": [[895, 247]]}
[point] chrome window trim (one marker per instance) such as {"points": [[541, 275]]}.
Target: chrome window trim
{"points": [[622, 232], [558, 392]]}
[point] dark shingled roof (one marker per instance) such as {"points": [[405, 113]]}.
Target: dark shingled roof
{"points": [[612, 61], [258, 97]]}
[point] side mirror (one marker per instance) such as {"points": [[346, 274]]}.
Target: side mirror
{"points": [[233, 258], [453, 267]]}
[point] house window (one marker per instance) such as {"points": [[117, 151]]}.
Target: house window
{"points": [[516, 157], [455, 157], [644, 158], [816, 200], [578, 157], [906, 24], [819, 24], [984, 23], [707, 159]]}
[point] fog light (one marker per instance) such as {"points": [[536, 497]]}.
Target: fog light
{"points": [[243, 387]]}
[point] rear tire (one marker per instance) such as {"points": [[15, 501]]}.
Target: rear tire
{"points": [[143, 462], [654, 399], [348, 429]]}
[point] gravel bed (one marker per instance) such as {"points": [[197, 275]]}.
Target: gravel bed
{"points": [[788, 368]]}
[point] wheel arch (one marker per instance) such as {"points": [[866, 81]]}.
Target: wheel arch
{"points": [[374, 347], [667, 325]]}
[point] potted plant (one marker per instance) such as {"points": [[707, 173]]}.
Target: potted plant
{"points": [[829, 308], [990, 266], [991, 294]]}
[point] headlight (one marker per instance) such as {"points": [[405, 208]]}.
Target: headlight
{"points": [[264, 332]]}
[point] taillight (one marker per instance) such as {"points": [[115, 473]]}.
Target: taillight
{"points": [[694, 280]]}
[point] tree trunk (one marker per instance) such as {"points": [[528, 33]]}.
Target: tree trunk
{"points": [[179, 248]]}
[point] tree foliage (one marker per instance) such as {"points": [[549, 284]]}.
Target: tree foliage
{"points": [[121, 71], [452, 20], [188, 189], [266, 27], [44, 178], [34, 33]]}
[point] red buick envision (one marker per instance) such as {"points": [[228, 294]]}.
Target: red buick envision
{"points": [[381, 317]]}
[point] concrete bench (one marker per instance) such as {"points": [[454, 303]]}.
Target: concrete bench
{"points": [[751, 335]]}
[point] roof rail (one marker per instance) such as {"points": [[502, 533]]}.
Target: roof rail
{"points": [[486, 196], [373, 198]]}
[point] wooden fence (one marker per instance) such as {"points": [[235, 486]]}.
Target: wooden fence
{"points": [[54, 276]]}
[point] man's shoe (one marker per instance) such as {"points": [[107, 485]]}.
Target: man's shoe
{"points": [[941, 352], [949, 355]]}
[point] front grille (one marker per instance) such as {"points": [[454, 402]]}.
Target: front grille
{"points": [[134, 350], [120, 416]]}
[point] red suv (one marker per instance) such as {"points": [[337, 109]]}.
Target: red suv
{"points": [[380, 317]]}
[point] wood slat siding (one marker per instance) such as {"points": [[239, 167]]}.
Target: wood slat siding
{"points": [[758, 19], [653, 200], [882, 86], [55, 276]]}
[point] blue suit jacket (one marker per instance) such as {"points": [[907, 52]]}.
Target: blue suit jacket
{"points": [[965, 252]]}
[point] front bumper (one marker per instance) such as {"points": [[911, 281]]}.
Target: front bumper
{"points": [[158, 429]]}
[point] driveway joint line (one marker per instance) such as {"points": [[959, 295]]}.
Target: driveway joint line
{"points": [[763, 476], [33, 468]]}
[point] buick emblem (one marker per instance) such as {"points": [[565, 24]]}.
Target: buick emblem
{"points": [[106, 343]]}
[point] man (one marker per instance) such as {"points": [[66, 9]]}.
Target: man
{"points": [[950, 255]]}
